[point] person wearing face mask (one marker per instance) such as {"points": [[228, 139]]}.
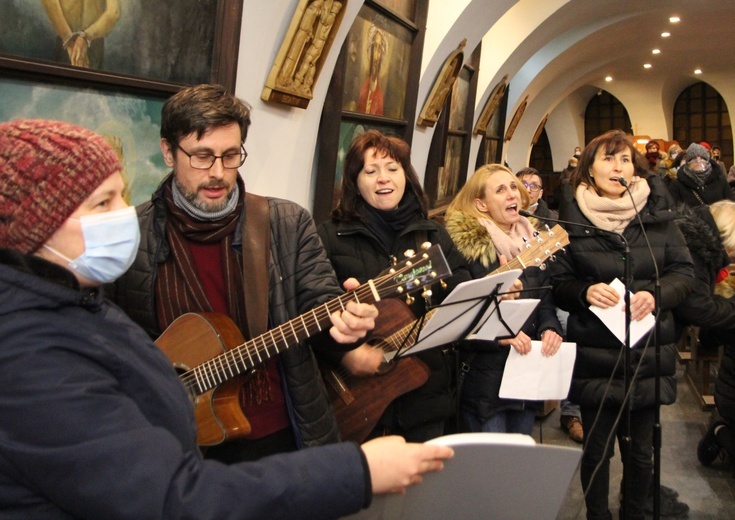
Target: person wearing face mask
{"points": [[697, 182], [95, 421], [381, 213], [673, 153], [581, 278]]}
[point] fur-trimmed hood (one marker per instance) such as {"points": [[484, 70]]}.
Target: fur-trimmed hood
{"points": [[471, 238]]}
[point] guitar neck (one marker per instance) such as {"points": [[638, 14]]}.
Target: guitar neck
{"points": [[258, 350]]}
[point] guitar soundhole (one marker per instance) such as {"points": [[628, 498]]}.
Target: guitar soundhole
{"points": [[386, 367]]}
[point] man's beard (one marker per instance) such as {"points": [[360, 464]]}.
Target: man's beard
{"points": [[208, 207]]}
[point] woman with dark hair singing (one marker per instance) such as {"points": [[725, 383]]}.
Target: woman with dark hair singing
{"points": [[596, 198]]}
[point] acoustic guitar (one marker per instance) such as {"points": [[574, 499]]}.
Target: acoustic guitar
{"points": [[213, 359], [359, 402]]}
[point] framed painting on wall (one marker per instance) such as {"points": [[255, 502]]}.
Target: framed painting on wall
{"points": [[153, 45], [131, 123], [458, 106], [377, 64], [404, 8], [447, 185]]}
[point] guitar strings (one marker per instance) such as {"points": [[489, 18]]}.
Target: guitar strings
{"points": [[232, 362]]}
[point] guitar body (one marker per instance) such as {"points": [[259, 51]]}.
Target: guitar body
{"points": [[193, 339], [359, 402]]}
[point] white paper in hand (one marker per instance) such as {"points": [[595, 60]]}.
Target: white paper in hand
{"points": [[538, 377], [614, 318]]}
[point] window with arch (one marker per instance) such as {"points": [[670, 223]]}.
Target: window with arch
{"points": [[605, 112], [700, 114]]}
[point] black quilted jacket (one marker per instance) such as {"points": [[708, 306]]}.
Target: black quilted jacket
{"points": [[594, 257]]}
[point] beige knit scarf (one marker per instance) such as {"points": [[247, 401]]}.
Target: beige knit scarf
{"points": [[612, 214], [509, 244]]}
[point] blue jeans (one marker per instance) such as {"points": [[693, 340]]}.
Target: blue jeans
{"points": [[509, 421], [638, 473]]}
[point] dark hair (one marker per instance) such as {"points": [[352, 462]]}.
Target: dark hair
{"points": [[611, 142], [397, 149], [198, 108], [528, 171]]}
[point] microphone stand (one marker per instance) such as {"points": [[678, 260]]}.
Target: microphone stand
{"points": [[628, 283], [657, 437]]}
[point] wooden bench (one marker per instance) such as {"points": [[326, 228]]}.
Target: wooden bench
{"points": [[700, 366]]}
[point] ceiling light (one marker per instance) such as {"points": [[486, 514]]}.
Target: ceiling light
{"points": [[647, 65], [656, 51], [608, 78], [665, 34], [697, 71], [675, 19]]}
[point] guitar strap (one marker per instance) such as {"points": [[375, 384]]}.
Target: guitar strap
{"points": [[255, 255]]}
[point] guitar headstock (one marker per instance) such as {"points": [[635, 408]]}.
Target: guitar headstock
{"points": [[543, 246], [419, 270]]}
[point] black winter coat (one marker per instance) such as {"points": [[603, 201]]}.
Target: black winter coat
{"points": [[714, 314], [97, 425], [484, 361], [356, 252], [594, 256], [684, 190]]}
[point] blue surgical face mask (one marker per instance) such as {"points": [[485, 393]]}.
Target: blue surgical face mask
{"points": [[110, 244]]}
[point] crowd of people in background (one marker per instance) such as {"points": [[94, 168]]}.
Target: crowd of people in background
{"points": [[90, 286]]}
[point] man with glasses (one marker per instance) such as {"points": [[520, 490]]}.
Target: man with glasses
{"points": [[193, 258], [532, 181]]}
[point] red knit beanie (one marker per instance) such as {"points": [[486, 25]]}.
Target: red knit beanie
{"points": [[47, 169]]}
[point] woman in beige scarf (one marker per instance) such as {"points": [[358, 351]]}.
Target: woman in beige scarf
{"points": [[598, 199]]}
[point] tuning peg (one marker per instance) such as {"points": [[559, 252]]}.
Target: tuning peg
{"points": [[425, 245], [542, 266], [409, 299], [393, 260], [426, 293], [408, 253], [443, 284], [400, 290]]}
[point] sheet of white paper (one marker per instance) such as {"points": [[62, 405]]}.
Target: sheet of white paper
{"points": [[458, 310], [614, 318], [515, 313], [537, 377]]}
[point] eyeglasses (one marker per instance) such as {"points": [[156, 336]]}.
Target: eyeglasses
{"points": [[204, 161], [533, 187]]}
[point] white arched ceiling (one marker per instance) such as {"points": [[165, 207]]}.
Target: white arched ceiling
{"points": [[616, 39]]}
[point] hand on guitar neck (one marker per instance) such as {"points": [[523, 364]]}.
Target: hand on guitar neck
{"points": [[356, 320]]}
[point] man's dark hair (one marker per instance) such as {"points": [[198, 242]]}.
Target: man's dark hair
{"points": [[198, 108]]}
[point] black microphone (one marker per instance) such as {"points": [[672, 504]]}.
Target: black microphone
{"points": [[657, 362]]}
